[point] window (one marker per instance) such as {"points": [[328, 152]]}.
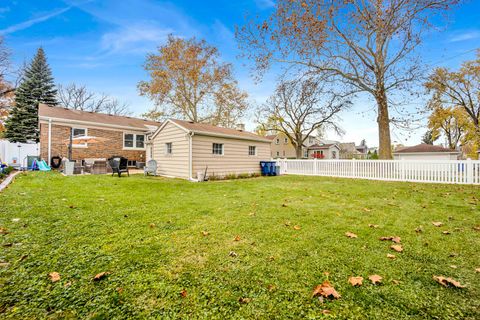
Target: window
{"points": [[134, 141], [286, 140], [140, 141], [168, 148], [128, 140], [278, 153], [334, 154], [217, 148], [277, 141], [77, 133], [252, 150], [305, 154]]}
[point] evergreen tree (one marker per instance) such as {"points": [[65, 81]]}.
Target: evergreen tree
{"points": [[36, 87]]}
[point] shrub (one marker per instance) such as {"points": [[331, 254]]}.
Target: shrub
{"points": [[255, 175], [243, 176], [7, 170], [231, 176]]}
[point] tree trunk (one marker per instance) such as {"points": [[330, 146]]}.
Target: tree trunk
{"points": [[385, 144], [298, 151]]}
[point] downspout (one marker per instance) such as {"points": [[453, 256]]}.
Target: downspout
{"points": [[49, 141], [190, 158]]}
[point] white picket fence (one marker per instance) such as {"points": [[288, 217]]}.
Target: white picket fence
{"points": [[433, 171]]}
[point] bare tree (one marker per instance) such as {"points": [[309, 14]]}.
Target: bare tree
{"points": [[301, 106], [78, 97], [368, 44]]}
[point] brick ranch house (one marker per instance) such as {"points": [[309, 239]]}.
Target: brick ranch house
{"points": [[118, 135]]}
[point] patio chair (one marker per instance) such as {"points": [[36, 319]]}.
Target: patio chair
{"points": [[151, 167], [119, 165]]}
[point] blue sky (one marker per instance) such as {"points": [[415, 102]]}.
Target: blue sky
{"points": [[102, 44]]}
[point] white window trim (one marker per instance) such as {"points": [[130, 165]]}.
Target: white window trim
{"points": [[277, 141], [169, 154], [218, 154], [79, 145], [255, 153], [134, 141]]}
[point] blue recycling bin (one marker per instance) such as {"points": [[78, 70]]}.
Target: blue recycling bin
{"points": [[263, 168]]}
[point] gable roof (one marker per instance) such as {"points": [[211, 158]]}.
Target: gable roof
{"points": [[61, 113], [422, 148], [209, 130], [323, 146]]}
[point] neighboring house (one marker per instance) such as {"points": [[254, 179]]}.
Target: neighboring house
{"points": [[324, 151], [183, 149], [282, 147], [425, 152], [117, 135], [348, 150]]}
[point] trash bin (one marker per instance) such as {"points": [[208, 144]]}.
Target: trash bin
{"points": [[264, 168]]}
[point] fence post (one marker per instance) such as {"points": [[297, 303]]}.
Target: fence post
{"points": [[354, 168], [469, 169], [314, 166], [402, 170]]}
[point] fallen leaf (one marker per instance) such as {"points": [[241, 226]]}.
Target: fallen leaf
{"points": [[373, 225], [297, 227], [244, 300], [397, 247], [351, 235], [4, 264], [284, 205], [183, 293], [355, 281], [54, 276], [23, 258], [375, 278], [437, 223], [233, 254], [476, 228], [120, 290], [326, 273], [395, 239], [477, 270], [68, 284], [287, 223], [237, 238], [100, 276], [205, 233], [15, 219], [71, 206], [453, 266], [152, 225], [325, 311], [326, 290], [367, 209], [391, 256], [395, 282], [448, 282], [271, 287], [446, 232], [3, 231], [418, 230], [8, 244]]}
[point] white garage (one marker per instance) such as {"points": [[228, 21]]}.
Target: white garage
{"points": [[426, 152]]}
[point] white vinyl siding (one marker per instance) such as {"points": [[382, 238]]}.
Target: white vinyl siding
{"points": [[235, 157], [175, 164]]}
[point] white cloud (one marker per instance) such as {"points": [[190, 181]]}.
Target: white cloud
{"points": [[265, 4], [134, 38], [468, 35], [31, 22]]}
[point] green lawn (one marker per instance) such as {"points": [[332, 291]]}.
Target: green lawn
{"points": [[147, 232]]}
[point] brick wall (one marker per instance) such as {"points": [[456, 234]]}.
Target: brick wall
{"points": [[112, 145]]}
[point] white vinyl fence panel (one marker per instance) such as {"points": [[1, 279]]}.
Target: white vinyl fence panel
{"points": [[434, 171], [16, 153]]}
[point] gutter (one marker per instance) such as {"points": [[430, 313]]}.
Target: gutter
{"points": [[97, 124], [49, 140], [190, 158]]}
